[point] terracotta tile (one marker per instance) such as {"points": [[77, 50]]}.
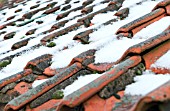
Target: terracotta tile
{"points": [[30, 32], [22, 87], [157, 99], [105, 105], [160, 70], [35, 6], [126, 103], [18, 10], [83, 56], [8, 96], [52, 10], [66, 13], [83, 36], [101, 67], [123, 13], [31, 13], [20, 44], [102, 94], [34, 93], [87, 20], [9, 35], [168, 9], [87, 2], [60, 24], [49, 95], [11, 17], [61, 32], [14, 77], [39, 64], [162, 4], [92, 88], [121, 82], [135, 26], [146, 45], [156, 53], [51, 72], [87, 10], [47, 105]]}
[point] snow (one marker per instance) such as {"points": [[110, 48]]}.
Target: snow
{"points": [[153, 29], [17, 66], [132, 3], [163, 61], [63, 58], [100, 6], [38, 82], [146, 83], [109, 48], [103, 17], [82, 81], [118, 47]]}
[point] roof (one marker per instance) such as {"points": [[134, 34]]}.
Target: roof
{"points": [[85, 55]]}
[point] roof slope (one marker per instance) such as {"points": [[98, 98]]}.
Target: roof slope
{"points": [[85, 55]]}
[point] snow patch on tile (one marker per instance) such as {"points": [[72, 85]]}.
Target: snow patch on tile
{"points": [[18, 63], [114, 50], [146, 83], [82, 81], [162, 62], [63, 58], [38, 82], [103, 17], [153, 29]]}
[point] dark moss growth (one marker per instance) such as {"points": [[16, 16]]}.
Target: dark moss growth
{"points": [[5, 98], [13, 24], [4, 63], [94, 72], [138, 72], [121, 82], [51, 44], [58, 94], [48, 95], [8, 87], [22, 37]]}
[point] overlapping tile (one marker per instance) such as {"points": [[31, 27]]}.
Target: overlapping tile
{"points": [[108, 88]]}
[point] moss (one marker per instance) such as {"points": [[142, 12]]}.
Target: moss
{"points": [[94, 72], [138, 72], [58, 94], [32, 67], [22, 37], [51, 44], [4, 63], [142, 66], [13, 24]]}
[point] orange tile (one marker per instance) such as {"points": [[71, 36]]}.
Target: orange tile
{"points": [[14, 78], [156, 53], [22, 87], [142, 22], [157, 99]]}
